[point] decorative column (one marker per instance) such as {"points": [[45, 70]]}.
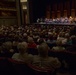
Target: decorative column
{"points": [[73, 8], [18, 7], [29, 11], [22, 13]]}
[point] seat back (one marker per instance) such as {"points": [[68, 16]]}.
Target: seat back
{"points": [[4, 66], [71, 60], [32, 51], [41, 71], [19, 68]]}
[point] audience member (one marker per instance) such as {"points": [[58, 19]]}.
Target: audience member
{"points": [[43, 60], [72, 48], [22, 55], [31, 43], [7, 47], [59, 46]]}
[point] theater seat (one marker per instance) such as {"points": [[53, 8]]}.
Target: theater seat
{"points": [[32, 51], [41, 71], [20, 68], [71, 60], [4, 67]]}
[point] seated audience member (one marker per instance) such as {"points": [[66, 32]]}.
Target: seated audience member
{"points": [[59, 46], [50, 38], [16, 40], [43, 60], [73, 46], [22, 55], [25, 36], [40, 41], [66, 40], [73, 31], [7, 47], [61, 36], [31, 43]]}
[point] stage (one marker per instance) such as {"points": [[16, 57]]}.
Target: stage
{"points": [[58, 24]]}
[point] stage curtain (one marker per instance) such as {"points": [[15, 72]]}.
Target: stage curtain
{"points": [[53, 14], [73, 8], [48, 14], [68, 8], [54, 10], [73, 4], [73, 12], [65, 13], [61, 9], [58, 14], [48, 9]]}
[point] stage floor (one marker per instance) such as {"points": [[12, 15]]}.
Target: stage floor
{"points": [[71, 24]]}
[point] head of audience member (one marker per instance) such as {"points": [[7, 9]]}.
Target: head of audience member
{"points": [[59, 42], [73, 38], [66, 39], [16, 40], [50, 35], [67, 35], [43, 50], [62, 34], [22, 47], [40, 41], [25, 34], [7, 46], [54, 35], [30, 40]]}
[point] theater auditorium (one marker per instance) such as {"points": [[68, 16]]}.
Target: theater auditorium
{"points": [[37, 37]]}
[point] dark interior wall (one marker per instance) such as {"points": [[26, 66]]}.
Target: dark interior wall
{"points": [[39, 9]]}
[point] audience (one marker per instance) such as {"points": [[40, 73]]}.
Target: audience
{"points": [[43, 60], [31, 34], [18, 40], [22, 55]]}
